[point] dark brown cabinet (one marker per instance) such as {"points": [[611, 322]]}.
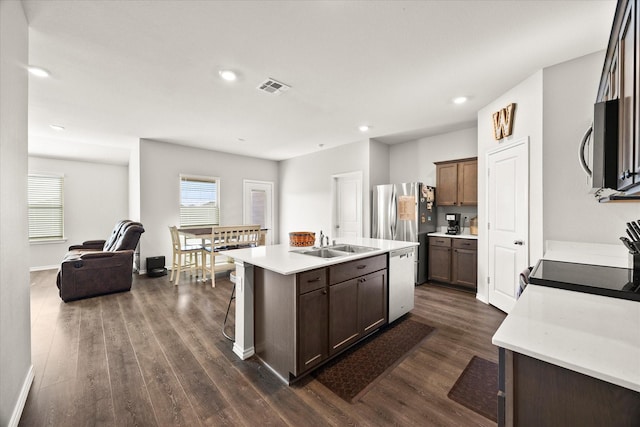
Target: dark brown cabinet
{"points": [[457, 182], [357, 300], [343, 317], [532, 392], [619, 81], [453, 260], [313, 315], [440, 259], [301, 320], [464, 263]]}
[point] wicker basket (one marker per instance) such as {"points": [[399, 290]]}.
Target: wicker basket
{"points": [[302, 238]]}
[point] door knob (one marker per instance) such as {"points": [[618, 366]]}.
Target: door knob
{"points": [[518, 242]]}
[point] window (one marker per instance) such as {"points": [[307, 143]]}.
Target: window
{"points": [[199, 203], [46, 210]]}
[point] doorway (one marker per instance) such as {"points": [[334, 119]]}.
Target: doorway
{"points": [[258, 206], [507, 221], [347, 205]]}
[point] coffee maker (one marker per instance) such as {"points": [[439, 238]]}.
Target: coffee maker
{"points": [[453, 223]]}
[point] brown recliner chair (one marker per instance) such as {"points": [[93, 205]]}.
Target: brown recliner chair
{"points": [[98, 267]]}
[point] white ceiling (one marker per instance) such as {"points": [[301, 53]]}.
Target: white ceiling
{"points": [[124, 70]]}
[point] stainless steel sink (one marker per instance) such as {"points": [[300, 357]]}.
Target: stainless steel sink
{"points": [[353, 249], [335, 251], [323, 253]]}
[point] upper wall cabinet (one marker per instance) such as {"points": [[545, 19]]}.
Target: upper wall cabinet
{"points": [[457, 182], [619, 81]]}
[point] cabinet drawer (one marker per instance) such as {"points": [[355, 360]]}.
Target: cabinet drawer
{"points": [[465, 244], [311, 280], [440, 241], [349, 270]]}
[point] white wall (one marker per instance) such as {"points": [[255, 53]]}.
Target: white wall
{"points": [[162, 163], [414, 160], [570, 213], [134, 182], [305, 188], [16, 371], [527, 123], [96, 197]]}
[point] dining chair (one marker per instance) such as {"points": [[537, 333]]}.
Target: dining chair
{"points": [[184, 256]]}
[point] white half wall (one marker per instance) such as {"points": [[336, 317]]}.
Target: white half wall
{"points": [[96, 197], [16, 374], [305, 188], [570, 212], [161, 164]]}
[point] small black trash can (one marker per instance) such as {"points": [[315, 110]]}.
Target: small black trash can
{"points": [[155, 266]]}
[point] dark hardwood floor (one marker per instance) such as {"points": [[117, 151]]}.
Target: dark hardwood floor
{"points": [[156, 356]]}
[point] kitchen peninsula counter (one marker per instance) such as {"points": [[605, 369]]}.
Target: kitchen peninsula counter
{"points": [[280, 294], [565, 351]]}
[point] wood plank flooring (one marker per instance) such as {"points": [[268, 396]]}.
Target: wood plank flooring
{"points": [[156, 356]]}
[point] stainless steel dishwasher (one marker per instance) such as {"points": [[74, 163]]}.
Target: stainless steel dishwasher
{"points": [[401, 282]]}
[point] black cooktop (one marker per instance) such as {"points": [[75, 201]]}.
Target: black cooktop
{"points": [[593, 279]]}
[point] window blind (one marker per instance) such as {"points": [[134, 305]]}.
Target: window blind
{"points": [[199, 201], [46, 210]]}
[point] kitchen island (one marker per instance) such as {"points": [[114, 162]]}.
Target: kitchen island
{"points": [[295, 310]]}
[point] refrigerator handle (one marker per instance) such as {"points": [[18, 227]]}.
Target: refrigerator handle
{"points": [[393, 213]]}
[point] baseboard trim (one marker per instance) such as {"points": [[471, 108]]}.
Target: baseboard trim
{"points": [[243, 354], [22, 399]]}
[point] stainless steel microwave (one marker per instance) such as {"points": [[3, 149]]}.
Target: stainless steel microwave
{"points": [[598, 152]]}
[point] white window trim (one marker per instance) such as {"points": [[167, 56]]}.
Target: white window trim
{"points": [[50, 240], [200, 178]]}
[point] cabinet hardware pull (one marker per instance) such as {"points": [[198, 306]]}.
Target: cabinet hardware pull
{"points": [[324, 292], [518, 242], [317, 279], [361, 266]]}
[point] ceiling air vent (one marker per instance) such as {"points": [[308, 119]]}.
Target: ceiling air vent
{"points": [[273, 86]]}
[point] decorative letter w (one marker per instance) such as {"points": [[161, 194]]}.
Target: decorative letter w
{"points": [[503, 122]]}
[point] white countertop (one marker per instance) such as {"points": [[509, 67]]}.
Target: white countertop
{"points": [[591, 334], [281, 259], [455, 236]]}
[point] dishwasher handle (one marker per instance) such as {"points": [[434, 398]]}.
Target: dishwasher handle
{"points": [[405, 252]]}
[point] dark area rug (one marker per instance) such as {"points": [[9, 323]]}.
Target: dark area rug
{"points": [[353, 373], [477, 388]]}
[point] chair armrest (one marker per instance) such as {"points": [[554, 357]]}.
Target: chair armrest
{"points": [[89, 244]]}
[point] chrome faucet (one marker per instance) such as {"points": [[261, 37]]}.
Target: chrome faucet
{"points": [[322, 237]]}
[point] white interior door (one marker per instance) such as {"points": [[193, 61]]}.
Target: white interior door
{"points": [[347, 205], [258, 206], [508, 221]]}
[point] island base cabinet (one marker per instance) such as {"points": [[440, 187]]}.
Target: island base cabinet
{"points": [[343, 316], [312, 329], [372, 301], [536, 393], [368, 295]]}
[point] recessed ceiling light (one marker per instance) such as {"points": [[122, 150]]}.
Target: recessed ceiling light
{"points": [[460, 100], [228, 75], [56, 127], [364, 128], [37, 71]]}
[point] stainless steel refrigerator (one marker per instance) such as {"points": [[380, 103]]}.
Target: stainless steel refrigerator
{"points": [[406, 212]]}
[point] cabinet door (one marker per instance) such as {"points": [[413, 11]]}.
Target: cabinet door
{"points": [[343, 315], [313, 343], [626, 60], [372, 301], [468, 183], [447, 184], [464, 267], [440, 263]]}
